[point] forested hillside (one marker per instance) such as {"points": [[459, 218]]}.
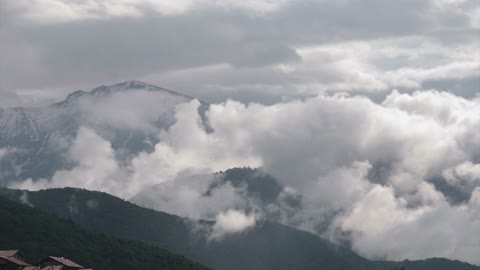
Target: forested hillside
{"points": [[40, 234], [267, 246]]}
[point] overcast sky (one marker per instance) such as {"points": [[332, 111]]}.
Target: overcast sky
{"points": [[253, 50]]}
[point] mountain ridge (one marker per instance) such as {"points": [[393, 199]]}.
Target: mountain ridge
{"points": [[267, 246], [129, 85], [40, 234], [35, 137]]}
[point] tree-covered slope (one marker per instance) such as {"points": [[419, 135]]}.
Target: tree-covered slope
{"points": [[266, 246], [39, 234]]}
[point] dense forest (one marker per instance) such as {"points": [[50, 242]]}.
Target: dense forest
{"points": [[40, 234]]}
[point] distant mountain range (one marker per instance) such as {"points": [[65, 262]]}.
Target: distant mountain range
{"points": [[35, 139], [267, 246]]}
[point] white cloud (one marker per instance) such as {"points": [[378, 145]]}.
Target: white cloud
{"points": [[413, 77], [383, 64], [187, 148], [315, 146], [96, 167], [325, 148], [364, 165], [383, 226], [186, 196], [339, 188], [139, 110], [465, 176], [231, 221]]}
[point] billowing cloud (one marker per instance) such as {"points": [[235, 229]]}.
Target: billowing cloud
{"points": [[231, 221], [326, 149], [363, 170], [187, 148], [96, 167], [465, 176], [187, 197], [383, 226], [141, 109]]}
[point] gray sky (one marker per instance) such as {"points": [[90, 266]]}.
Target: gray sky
{"points": [[250, 50]]}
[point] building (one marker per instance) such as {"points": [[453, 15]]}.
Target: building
{"points": [[65, 263], [15, 253], [15, 260], [12, 260]]}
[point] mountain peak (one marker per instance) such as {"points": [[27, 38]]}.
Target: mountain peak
{"points": [[126, 86], [134, 84]]}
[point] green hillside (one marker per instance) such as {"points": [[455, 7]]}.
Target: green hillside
{"points": [[40, 234], [267, 246]]}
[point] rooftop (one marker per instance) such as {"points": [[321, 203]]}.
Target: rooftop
{"points": [[65, 262]]}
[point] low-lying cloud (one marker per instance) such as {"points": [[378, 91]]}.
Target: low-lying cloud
{"points": [[368, 169], [231, 221]]}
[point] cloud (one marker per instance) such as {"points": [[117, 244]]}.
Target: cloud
{"points": [[371, 67], [5, 158], [58, 11], [192, 196], [361, 170], [326, 148], [142, 110], [253, 50], [184, 148], [3, 152], [96, 167], [383, 226], [187, 148], [24, 199], [465, 176], [350, 184], [231, 221]]}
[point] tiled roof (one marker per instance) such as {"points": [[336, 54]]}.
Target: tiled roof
{"points": [[15, 261], [66, 262], [51, 267], [9, 253]]}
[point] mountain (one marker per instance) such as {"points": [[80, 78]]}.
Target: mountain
{"points": [[128, 114], [268, 245], [35, 142], [259, 185], [252, 190], [39, 235]]}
